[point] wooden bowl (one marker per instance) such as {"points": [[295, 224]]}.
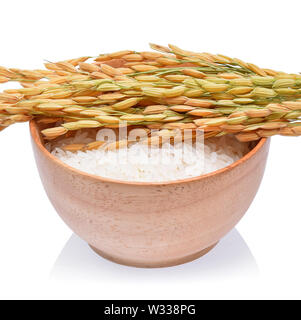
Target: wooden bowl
{"points": [[151, 224]]}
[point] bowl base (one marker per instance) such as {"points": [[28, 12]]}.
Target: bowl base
{"points": [[139, 264]]}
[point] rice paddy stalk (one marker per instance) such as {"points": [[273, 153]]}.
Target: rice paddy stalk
{"points": [[167, 90]]}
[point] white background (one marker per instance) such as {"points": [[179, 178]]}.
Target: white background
{"points": [[39, 257]]}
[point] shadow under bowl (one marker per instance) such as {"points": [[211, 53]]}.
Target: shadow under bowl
{"points": [[151, 224]]}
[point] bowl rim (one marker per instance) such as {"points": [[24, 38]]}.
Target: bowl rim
{"points": [[37, 139]]}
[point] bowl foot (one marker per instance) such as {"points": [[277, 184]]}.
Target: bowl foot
{"points": [[141, 264]]}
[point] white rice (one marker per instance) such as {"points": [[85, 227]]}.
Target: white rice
{"points": [[138, 162]]}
